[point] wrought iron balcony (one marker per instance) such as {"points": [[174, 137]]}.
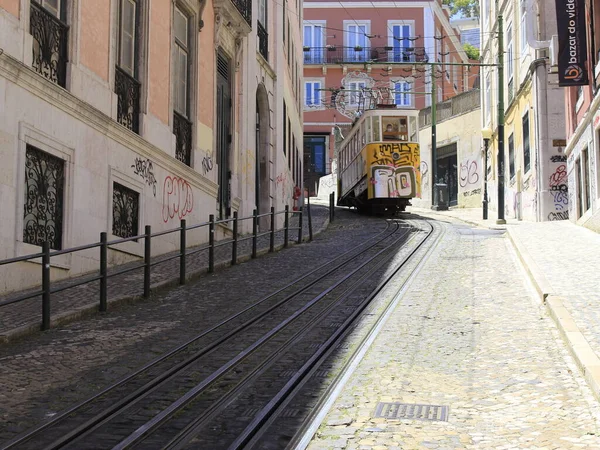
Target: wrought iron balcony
{"points": [[511, 90], [127, 89], [49, 44], [263, 41], [237, 14], [182, 129], [372, 55]]}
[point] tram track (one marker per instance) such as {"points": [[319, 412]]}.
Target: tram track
{"points": [[69, 428]]}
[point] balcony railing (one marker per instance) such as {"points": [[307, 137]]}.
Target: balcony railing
{"points": [[182, 129], [511, 90], [128, 93], [263, 41], [373, 55], [245, 9], [49, 44]]}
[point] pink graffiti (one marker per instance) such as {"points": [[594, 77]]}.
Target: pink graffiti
{"points": [[468, 173], [559, 176], [178, 198]]}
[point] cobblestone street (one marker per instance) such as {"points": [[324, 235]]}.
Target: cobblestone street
{"points": [[469, 334]]}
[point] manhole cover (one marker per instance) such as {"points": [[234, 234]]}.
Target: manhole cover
{"points": [[411, 411]]}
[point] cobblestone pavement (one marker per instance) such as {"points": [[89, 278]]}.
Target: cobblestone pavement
{"points": [[47, 372], [25, 317], [471, 334]]}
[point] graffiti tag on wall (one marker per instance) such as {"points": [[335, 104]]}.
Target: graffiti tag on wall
{"points": [[145, 169], [468, 173], [207, 165], [178, 198]]}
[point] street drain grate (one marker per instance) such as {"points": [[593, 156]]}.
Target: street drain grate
{"points": [[411, 411]]}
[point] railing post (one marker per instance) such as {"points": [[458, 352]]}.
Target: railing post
{"points": [[182, 251], [235, 239], [147, 256], [211, 243], [103, 270], [46, 285], [300, 227], [254, 231], [272, 242], [310, 230], [331, 206], [286, 226]]}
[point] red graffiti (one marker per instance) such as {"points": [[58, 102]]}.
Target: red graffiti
{"points": [[559, 176], [468, 173], [178, 198]]}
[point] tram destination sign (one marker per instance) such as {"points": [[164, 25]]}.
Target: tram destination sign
{"points": [[572, 46]]}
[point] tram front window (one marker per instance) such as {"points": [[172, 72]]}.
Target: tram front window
{"points": [[395, 129]]}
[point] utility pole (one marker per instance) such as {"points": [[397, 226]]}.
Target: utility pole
{"points": [[500, 121]]}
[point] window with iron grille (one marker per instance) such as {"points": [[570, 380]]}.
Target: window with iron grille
{"points": [[511, 157], [125, 211], [44, 198], [526, 150], [127, 86], [182, 125], [50, 32]]}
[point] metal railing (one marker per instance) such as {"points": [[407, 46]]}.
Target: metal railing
{"points": [[374, 55], [182, 129], [127, 89], [263, 41], [103, 245]]}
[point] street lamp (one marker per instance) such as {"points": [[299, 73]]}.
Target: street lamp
{"points": [[486, 134]]}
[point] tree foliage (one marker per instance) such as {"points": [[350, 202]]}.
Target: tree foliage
{"points": [[466, 8], [471, 51]]}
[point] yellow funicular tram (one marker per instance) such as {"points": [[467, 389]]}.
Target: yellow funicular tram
{"points": [[379, 161]]}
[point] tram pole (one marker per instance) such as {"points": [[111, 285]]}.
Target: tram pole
{"points": [[500, 122], [434, 203]]}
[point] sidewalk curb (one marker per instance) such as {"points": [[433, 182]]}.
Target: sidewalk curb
{"points": [[580, 349], [91, 309]]}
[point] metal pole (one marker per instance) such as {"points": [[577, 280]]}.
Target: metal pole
{"points": [[300, 227], [46, 285], [235, 239], [485, 200], [103, 270], [500, 121], [182, 246], [147, 256], [310, 230], [254, 231], [211, 243], [331, 206], [286, 225], [272, 243]]}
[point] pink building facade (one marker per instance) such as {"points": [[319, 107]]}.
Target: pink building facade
{"points": [[116, 114], [352, 46]]}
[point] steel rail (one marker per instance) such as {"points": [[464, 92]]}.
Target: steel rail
{"points": [[59, 417], [141, 433], [193, 428], [256, 429]]}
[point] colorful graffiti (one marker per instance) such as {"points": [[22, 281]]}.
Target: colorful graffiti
{"points": [[394, 170], [178, 198]]}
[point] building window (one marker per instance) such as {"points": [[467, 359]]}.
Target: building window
{"points": [[44, 198], [355, 92], [523, 32], [127, 87], [313, 43], [182, 126], [400, 42], [49, 31], [312, 93], [511, 157], [402, 96], [526, 150], [584, 185], [488, 99], [508, 60], [357, 42], [125, 211]]}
